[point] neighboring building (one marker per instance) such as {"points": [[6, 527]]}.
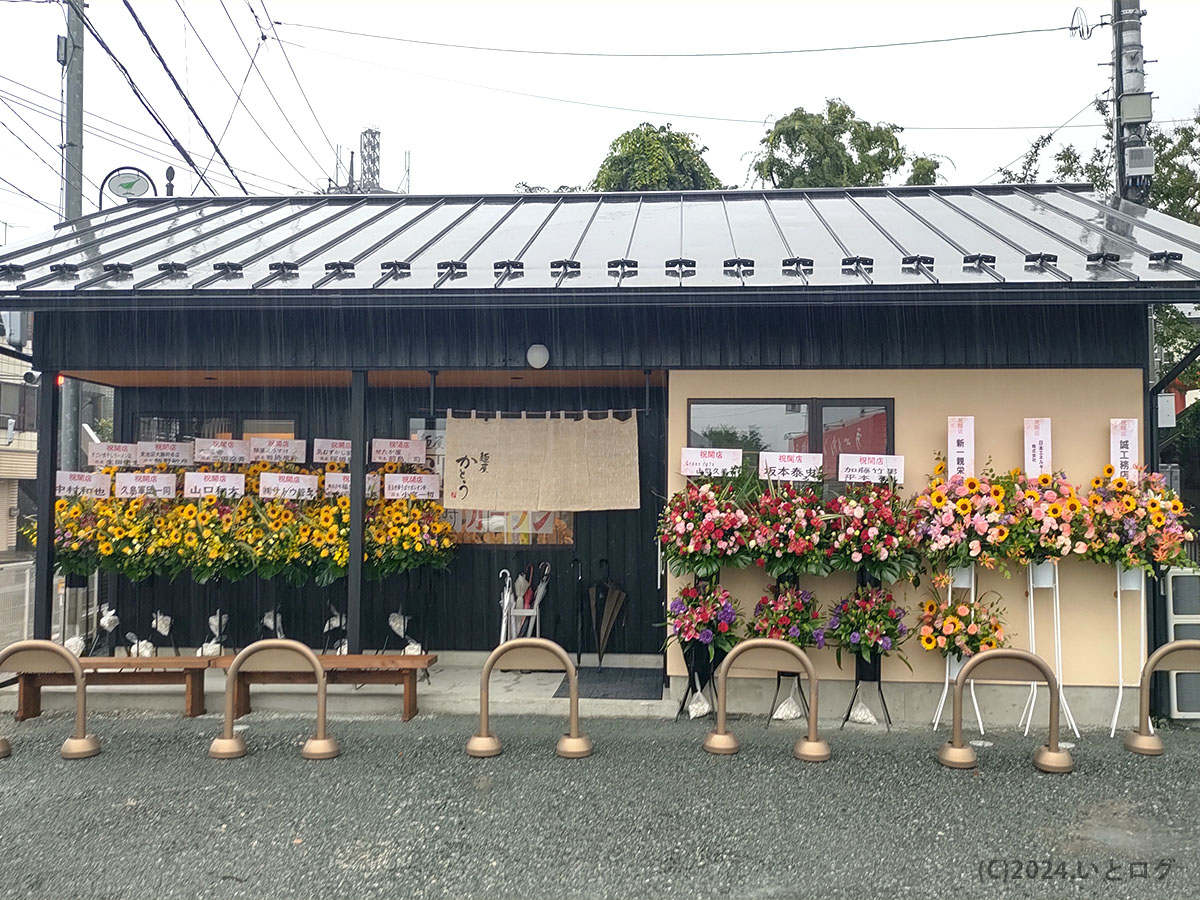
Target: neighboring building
{"points": [[18, 449]]}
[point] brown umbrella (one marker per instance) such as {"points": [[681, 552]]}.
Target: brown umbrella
{"points": [[613, 601]]}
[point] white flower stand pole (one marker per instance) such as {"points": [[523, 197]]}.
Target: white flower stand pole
{"points": [[1044, 576], [1129, 580], [960, 578]]}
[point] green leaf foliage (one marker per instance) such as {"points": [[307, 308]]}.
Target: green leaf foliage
{"points": [[655, 158]]}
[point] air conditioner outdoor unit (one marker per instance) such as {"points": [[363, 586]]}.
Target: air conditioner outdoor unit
{"points": [[1139, 161], [1183, 621]]}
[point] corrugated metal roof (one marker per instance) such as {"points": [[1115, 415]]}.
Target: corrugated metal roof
{"points": [[923, 238]]}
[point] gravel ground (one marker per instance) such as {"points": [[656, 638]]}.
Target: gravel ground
{"points": [[405, 813]]}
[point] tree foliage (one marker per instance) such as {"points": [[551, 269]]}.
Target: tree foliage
{"points": [[835, 148], [655, 158]]}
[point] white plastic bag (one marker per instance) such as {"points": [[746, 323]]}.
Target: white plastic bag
{"points": [[698, 706], [862, 715]]}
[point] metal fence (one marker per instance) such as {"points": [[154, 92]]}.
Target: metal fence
{"points": [[78, 607]]}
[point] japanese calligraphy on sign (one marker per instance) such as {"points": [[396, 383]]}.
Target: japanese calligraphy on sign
{"points": [[201, 484], [960, 445], [145, 484], [221, 450], [286, 486], [709, 462], [1037, 446], [278, 450], [1123, 446], [338, 483], [385, 450], [870, 467], [82, 484], [789, 466], [422, 487], [331, 450], [172, 453], [100, 455]]}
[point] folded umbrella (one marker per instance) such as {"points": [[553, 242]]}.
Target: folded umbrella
{"points": [[613, 601]]}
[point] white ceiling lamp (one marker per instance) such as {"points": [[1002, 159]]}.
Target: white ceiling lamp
{"points": [[537, 355]]}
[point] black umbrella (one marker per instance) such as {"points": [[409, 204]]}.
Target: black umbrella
{"points": [[609, 597]]}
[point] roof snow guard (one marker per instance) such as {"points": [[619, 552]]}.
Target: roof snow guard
{"points": [[919, 244]]}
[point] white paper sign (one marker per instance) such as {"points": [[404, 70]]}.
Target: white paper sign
{"points": [[286, 486], [422, 487], [871, 467], [201, 484], [278, 450], [100, 455], [338, 483], [1037, 447], [789, 466], [82, 484], [709, 462], [1166, 410], [170, 452], [960, 445], [145, 484], [331, 450], [1123, 446], [385, 450], [209, 450]]}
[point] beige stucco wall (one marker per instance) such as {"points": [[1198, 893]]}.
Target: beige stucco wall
{"points": [[1079, 401]]}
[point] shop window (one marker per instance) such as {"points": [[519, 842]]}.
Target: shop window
{"points": [[808, 425], [183, 428], [269, 428]]}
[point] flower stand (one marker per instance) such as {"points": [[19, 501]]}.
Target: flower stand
{"points": [[1129, 580], [1044, 576], [963, 579], [700, 671], [868, 670], [779, 676]]}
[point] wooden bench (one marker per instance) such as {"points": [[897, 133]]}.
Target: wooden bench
{"points": [[186, 670], [359, 668]]}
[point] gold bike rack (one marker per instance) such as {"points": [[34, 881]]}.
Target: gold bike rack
{"points": [[531, 653], [47, 656], [1183, 654], [274, 655], [780, 656], [1006, 664]]}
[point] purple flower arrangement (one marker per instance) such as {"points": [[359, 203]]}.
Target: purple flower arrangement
{"points": [[868, 623]]}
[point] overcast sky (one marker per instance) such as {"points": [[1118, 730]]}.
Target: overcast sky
{"points": [[467, 119]]}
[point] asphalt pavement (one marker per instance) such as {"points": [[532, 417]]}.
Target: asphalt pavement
{"points": [[404, 813]]}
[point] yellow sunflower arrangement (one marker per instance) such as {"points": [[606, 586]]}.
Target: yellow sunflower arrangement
{"points": [[1138, 522]]}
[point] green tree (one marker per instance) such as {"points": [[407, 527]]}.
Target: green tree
{"points": [[835, 148], [655, 158]]}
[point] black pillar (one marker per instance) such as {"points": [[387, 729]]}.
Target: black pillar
{"points": [[358, 493], [47, 465]]}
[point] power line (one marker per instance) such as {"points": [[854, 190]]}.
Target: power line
{"points": [[236, 100], [39, 156], [728, 53], [238, 93], [77, 5], [288, 60], [1090, 104], [30, 196], [184, 96], [42, 138]]}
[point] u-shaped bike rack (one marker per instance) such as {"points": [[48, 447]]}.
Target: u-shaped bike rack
{"points": [[1006, 664], [810, 748], [274, 654], [531, 653], [47, 656], [1183, 654]]}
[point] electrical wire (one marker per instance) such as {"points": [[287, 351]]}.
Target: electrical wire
{"points": [[56, 150], [727, 53], [27, 194], [236, 100], [288, 60], [1090, 104], [137, 92], [39, 156], [183, 94], [238, 94]]}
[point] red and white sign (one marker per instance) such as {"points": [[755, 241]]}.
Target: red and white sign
{"points": [[202, 484], [151, 453], [338, 483], [385, 450], [331, 450], [709, 462], [1037, 447], [145, 484], [960, 445], [100, 455], [286, 486], [278, 450], [223, 450], [789, 466], [422, 487], [1123, 450], [870, 467], [82, 484]]}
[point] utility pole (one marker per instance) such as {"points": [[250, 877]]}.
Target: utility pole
{"points": [[1131, 104], [73, 202]]}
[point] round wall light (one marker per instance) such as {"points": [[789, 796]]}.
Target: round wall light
{"points": [[537, 355]]}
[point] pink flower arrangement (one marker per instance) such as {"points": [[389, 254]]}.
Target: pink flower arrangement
{"points": [[790, 531], [1050, 522], [702, 529], [962, 521], [1138, 523], [960, 628], [872, 530]]}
